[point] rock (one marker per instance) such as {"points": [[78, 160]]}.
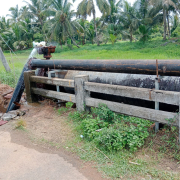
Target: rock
{"points": [[179, 167], [8, 116], [1, 114], [9, 96], [16, 118], [17, 112], [21, 112], [14, 112], [168, 168], [164, 44], [7, 92]]}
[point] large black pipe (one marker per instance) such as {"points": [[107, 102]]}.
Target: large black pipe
{"points": [[16, 97], [165, 67]]}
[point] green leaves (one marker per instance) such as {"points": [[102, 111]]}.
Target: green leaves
{"points": [[112, 131], [145, 31], [112, 38]]}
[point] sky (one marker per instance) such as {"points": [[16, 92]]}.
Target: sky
{"points": [[4, 7]]}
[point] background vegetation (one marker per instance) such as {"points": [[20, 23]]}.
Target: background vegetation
{"points": [[55, 22]]}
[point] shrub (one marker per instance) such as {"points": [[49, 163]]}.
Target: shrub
{"points": [[122, 135], [112, 131], [156, 35], [112, 38], [69, 104], [110, 139], [90, 127], [104, 113]]}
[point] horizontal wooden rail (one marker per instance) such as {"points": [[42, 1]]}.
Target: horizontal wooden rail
{"points": [[52, 81], [82, 97], [54, 94], [144, 113], [168, 97]]}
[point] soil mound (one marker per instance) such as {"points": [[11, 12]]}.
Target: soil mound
{"points": [[5, 96]]}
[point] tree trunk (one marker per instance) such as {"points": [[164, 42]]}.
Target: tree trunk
{"points": [[60, 43], [4, 61], [94, 18], [92, 40], [131, 37], [169, 31], [164, 20], [74, 42]]}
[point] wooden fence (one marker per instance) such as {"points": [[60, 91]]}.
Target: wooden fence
{"points": [[82, 97]]}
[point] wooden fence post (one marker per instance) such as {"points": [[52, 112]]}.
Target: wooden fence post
{"points": [[28, 84], [80, 92], [4, 61]]}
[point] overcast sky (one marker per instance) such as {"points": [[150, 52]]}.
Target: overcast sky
{"points": [[6, 4]]}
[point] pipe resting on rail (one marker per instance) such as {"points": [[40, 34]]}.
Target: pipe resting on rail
{"points": [[165, 67]]}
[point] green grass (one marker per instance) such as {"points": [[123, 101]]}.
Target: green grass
{"points": [[120, 164], [120, 50], [16, 63]]}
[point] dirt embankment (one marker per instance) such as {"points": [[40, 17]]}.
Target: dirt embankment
{"points": [[6, 93], [5, 96]]}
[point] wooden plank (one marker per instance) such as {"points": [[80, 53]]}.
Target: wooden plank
{"points": [[168, 97], [4, 61], [145, 113], [28, 85], [53, 81], [54, 94]]}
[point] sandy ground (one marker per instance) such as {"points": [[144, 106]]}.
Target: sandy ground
{"points": [[29, 154], [22, 163]]}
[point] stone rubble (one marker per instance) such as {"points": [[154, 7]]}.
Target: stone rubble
{"points": [[15, 114]]}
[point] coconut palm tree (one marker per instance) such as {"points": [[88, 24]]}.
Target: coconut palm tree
{"points": [[165, 4], [87, 7], [129, 20], [4, 24], [61, 24], [111, 25], [148, 16], [35, 11], [15, 14]]}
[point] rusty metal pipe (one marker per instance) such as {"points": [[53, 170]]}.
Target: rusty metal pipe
{"points": [[165, 67]]}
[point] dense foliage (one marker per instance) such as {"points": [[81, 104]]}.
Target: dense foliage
{"points": [[54, 21], [112, 131]]}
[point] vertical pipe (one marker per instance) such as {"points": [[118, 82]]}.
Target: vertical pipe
{"points": [[156, 103], [57, 87], [179, 119]]}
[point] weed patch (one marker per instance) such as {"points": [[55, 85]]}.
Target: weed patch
{"points": [[21, 125], [113, 141], [111, 131]]}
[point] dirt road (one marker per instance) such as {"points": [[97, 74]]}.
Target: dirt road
{"points": [[22, 163], [22, 158]]}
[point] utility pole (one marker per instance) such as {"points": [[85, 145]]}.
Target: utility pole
{"points": [[4, 61]]}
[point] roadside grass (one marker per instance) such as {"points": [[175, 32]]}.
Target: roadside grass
{"points": [[147, 162], [21, 125], [143, 163]]}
